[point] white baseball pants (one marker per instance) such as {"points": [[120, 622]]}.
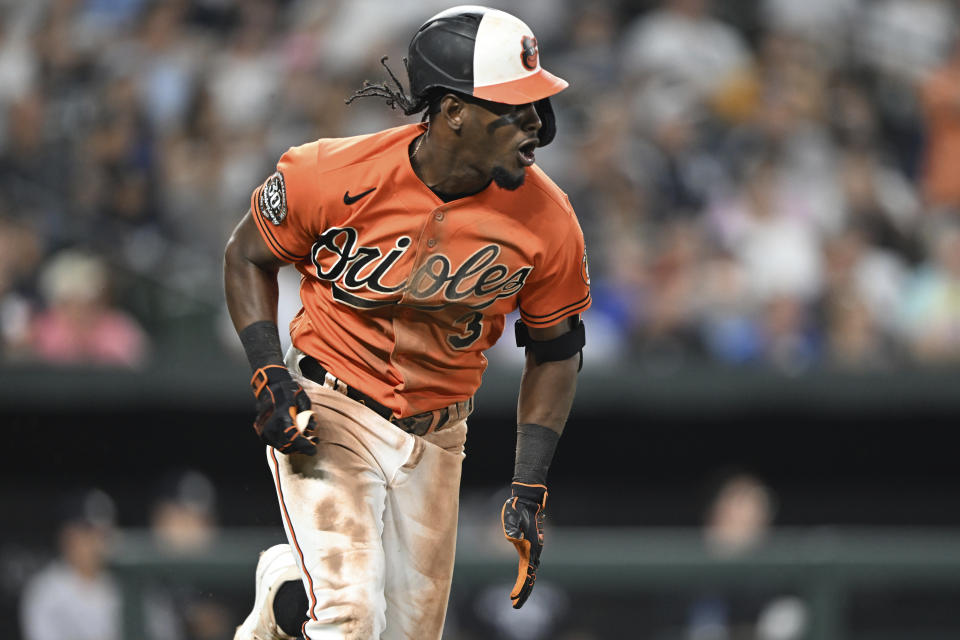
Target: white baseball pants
{"points": [[372, 521]]}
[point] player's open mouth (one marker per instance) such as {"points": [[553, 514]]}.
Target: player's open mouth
{"points": [[526, 152]]}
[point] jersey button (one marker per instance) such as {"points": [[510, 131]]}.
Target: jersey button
{"points": [[438, 216], [431, 243]]}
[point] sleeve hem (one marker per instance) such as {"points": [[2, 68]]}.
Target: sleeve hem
{"points": [[554, 317]]}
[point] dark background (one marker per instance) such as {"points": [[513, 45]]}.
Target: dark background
{"points": [[866, 452], [638, 449]]}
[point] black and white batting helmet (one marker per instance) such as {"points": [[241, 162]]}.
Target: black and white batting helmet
{"points": [[485, 53]]}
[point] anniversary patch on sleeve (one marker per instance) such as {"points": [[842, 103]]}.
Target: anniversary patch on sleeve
{"points": [[273, 199]]}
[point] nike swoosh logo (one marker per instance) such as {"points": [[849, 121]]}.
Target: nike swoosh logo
{"points": [[349, 199]]}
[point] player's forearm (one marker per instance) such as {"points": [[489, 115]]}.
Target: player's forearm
{"points": [[254, 316], [547, 391], [251, 289], [546, 394]]}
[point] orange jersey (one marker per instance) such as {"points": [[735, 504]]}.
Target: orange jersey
{"points": [[401, 291]]}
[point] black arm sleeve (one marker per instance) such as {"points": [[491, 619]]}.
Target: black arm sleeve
{"points": [[261, 342], [535, 448]]}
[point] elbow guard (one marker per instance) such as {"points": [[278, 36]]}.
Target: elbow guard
{"points": [[560, 348]]}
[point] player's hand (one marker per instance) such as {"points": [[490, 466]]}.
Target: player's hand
{"points": [[522, 518], [279, 401]]}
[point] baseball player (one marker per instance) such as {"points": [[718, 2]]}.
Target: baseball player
{"points": [[412, 244]]}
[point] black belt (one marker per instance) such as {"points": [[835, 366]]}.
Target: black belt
{"points": [[420, 424]]}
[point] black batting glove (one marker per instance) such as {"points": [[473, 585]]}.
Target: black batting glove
{"points": [[522, 518], [279, 401]]}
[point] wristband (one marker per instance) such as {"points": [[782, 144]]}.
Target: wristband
{"points": [[261, 343], [535, 447]]}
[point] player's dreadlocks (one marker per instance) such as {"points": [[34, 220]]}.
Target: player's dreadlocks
{"points": [[396, 98]]}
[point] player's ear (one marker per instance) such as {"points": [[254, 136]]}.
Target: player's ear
{"points": [[452, 111]]}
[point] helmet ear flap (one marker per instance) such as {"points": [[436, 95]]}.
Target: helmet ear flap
{"points": [[548, 121]]}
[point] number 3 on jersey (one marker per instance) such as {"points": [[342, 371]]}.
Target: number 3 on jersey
{"points": [[472, 330]]}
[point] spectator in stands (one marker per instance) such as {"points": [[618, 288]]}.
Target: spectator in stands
{"points": [[183, 522], [859, 309], [853, 119], [80, 326], [682, 59], [248, 66], [879, 199], [789, 340], [20, 253], [789, 126], [772, 233], [75, 597], [34, 171], [728, 324], [826, 24], [165, 55], [739, 515], [119, 184], [183, 518], [905, 39], [18, 58], [941, 102], [738, 519], [854, 342], [591, 63], [931, 305], [667, 335], [901, 42]]}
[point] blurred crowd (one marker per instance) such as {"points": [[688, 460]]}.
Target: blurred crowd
{"points": [[76, 594], [78, 591], [760, 182]]}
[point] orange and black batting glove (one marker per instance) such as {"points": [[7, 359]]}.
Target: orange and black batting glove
{"points": [[522, 518], [279, 400]]}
